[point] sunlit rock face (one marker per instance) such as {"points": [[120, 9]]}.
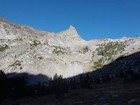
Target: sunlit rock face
{"points": [[25, 49]]}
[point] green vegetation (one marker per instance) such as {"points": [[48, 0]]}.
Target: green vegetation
{"points": [[35, 43], [40, 57], [109, 86], [98, 64], [110, 49], [58, 50], [4, 47], [16, 63], [107, 51], [21, 68]]}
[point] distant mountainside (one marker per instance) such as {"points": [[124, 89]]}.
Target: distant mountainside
{"points": [[25, 49], [125, 66]]}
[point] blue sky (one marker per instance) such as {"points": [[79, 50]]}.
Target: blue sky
{"points": [[93, 19]]}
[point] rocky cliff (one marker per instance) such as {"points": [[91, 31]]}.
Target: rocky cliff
{"points": [[25, 49]]}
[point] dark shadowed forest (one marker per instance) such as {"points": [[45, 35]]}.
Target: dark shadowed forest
{"points": [[124, 72]]}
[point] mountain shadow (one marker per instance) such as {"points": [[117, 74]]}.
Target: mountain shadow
{"points": [[124, 65], [18, 85], [30, 78], [107, 79]]}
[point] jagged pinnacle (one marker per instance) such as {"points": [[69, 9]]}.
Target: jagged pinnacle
{"points": [[72, 27]]}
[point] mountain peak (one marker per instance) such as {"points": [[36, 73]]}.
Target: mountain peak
{"points": [[72, 27], [72, 32], [69, 35], [64, 53]]}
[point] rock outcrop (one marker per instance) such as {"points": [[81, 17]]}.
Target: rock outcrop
{"points": [[25, 49]]}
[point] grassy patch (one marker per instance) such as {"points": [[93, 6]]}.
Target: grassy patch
{"points": [[98, 64], [110, 49]]}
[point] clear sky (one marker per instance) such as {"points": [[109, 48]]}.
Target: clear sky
{"points": [[93, 19]]}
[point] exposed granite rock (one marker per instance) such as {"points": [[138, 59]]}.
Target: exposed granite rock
{"points": [[64, 53]]}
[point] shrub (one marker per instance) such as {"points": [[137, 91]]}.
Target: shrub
{"points": [[16, 63], [98, 64], [4, 47], [58, 50], [110, 49], [35, 43]]}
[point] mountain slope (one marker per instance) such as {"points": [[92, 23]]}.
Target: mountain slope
{"points": [[25, 49]]}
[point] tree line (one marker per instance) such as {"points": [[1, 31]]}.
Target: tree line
{"points": [[16, 87]]}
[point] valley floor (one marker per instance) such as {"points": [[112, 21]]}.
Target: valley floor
{"points": [[113, 93]]}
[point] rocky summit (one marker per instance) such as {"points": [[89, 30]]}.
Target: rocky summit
{"points": [[25, 49]]}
